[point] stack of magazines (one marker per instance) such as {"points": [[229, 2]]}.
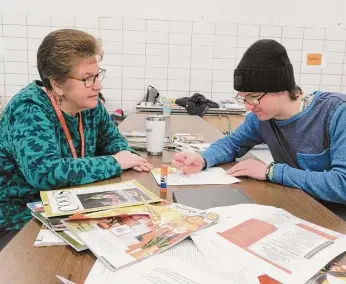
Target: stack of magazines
{"points": [[119, 223]]}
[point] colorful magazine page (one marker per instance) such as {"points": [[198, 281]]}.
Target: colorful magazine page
{"points": [[95, 198], [56, 224], [67, 236], [119, 239], [333, 273]]}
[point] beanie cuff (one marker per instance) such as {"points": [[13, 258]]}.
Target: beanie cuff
{"points": [[264, 80]]}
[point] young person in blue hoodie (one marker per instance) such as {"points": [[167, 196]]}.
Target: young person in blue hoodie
{"points": [[305, 133]]}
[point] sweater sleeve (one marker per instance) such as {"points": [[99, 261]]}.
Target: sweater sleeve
{"points": [[109, 140], [236, 145], [327, 185], [34, 146]]}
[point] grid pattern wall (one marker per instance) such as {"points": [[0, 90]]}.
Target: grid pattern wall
{"points": [[178, 58]]}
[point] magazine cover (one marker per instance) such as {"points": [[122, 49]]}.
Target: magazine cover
{"points": [[95, 198], [118, 238]]}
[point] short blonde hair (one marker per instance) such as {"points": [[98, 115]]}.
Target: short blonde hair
{"points": [[61, 51]]}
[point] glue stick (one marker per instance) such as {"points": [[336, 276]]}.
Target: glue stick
{"points": [[163, 185]]}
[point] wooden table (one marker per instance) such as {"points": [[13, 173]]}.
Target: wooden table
{"points": [[21, 263]]}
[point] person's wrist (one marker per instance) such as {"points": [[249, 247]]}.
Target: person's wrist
{"points": [[204, 163], [270, 171]]}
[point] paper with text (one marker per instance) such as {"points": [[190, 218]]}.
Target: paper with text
{"points": [[286, 248]]}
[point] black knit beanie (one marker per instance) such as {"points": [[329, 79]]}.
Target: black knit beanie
{"points": [[264, 67]]}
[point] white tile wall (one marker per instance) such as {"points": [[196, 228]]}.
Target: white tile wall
{"points": [[134, 25], [249, 30], [14, 19], [200, 86], [63, 21], [314, 33], [158, 26], [112, 83], [226, 29], [203, 28], [156, 72], [271, 32], [177, 57], [292, 32], [113, 47], [181, 27], [178, 73], [106, 23]]}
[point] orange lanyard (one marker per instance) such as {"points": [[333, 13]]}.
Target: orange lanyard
{"points": [[66, 130]]}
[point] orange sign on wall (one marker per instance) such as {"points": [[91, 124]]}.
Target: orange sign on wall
{"points": [[314, 59]]}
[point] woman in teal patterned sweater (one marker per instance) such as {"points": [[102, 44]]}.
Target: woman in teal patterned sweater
{"points": [[56, 133]]}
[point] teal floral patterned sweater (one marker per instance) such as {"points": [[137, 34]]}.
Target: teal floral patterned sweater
{"points": [[35, 155]]}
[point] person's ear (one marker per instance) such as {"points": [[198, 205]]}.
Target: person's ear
{"points": [[57, 88]]}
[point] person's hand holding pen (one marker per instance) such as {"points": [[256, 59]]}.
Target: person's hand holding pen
{"points": [[188, 162]]}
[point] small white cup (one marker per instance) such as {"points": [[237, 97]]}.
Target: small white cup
{"points": [[155, 132]]}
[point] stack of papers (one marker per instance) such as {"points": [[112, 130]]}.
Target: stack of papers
{"points": [[58, 205], [188, 138]]}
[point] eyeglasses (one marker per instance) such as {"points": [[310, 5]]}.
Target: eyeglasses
{"points": [[90, 80], [253, 100]]}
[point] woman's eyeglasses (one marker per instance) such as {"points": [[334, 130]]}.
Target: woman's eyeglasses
{"points": [[90, 80]]}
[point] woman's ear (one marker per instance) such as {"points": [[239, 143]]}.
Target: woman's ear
{"points": [[57, 88]]}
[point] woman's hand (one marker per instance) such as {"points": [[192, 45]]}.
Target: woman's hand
{"points": [[128, 160]]}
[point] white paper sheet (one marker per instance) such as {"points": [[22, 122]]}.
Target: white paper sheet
{"points": [[184, 260], [209, 176], [46, 238], [64, 280]]}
